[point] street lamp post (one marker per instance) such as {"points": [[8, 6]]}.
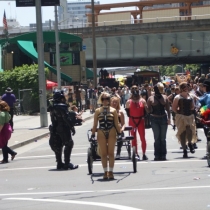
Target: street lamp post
{"points": [[94, 45], [57, 46], [42, 80]]}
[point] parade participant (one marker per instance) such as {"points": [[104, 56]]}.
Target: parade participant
{"points": [[114, 93], [5, 132], [115, 103], [83, 98], [135, 109], [205, 114], [92, 98], [107, 132], [10, 99], [171, 99], [70, 97], [61, 131], [183, 106], [158, 106]]}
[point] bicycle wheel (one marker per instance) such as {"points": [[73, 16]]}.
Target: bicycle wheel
{"points": [[90, 161], [134, 160]]}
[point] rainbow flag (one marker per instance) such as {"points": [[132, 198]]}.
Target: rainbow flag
{"points": [[205, 112]]}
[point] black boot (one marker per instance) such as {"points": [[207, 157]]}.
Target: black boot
{"points": [[58, 155], [191, 147], [67, 154], [185, 153]]}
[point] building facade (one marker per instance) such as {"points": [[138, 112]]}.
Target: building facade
{"points": [[72, 14]]}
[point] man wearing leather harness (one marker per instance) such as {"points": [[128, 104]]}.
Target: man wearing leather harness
{"points": [[61, 131], [135, 109]]}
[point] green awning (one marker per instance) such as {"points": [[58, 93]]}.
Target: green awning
{"points": [[48, 37], [89, 73], [27, 47]]}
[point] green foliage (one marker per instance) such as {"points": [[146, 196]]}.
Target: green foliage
{"points": [[172, 70], [23, 77]]}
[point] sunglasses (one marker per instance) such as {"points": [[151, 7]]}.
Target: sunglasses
{"points": [[103, 99]]}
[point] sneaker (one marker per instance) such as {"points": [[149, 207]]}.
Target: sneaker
{"points": [[110, 175], [199, 140], [72, 166], [106, 173], [137, 158], [144, 157]]}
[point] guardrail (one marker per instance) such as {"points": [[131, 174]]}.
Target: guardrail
{"points": [[100, 25]]}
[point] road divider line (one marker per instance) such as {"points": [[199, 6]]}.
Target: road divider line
{"points": [[106, 205], [99, 164], [105, 191]]}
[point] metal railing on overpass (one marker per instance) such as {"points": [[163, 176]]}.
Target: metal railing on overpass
{"points": [[108, 25]]}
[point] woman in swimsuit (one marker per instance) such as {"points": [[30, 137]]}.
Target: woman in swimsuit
{"points": [[107, 132]]}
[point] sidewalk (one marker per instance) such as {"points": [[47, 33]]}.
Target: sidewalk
{"points": [[27, 129]]}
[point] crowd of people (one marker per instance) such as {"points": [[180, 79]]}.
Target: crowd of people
{"points": [[145, 106], [171, 104]]}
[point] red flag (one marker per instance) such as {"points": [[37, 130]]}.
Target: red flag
{"points": [[5, 23]]}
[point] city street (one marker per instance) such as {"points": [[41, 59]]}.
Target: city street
{"points": [[32, 182]]}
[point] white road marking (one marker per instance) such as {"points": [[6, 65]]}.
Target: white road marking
{"points": [[105, 191], [79, 154], [107, 205], [99, 164]]}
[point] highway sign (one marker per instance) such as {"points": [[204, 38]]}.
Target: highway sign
{"points": [[31, 3]]}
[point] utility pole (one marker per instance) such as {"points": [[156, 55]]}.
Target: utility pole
{"points": [[42, 80], [94, 46], [57, 46]]}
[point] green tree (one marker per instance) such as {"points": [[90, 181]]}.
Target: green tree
{"points": [[23, 77], [192, 68]]}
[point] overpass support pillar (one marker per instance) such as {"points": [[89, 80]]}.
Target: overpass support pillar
{"points": [[189, 10], [140, 13], [135, 18]]}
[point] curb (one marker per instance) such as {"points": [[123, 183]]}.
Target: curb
{"points": [[28, 141]]}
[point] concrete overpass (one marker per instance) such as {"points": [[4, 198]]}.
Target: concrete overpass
{"points": [[164, 43], [148, 43]]}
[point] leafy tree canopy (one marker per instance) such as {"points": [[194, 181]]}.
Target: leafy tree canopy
{"points": [[23, 77], [173, 69]]}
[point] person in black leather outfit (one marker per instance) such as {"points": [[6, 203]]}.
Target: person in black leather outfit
{"points": [[61, 131]]}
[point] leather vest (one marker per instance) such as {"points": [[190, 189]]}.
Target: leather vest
{"points": [[185, 106]]}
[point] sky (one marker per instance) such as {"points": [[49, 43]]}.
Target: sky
{"points": [[26, 15]]}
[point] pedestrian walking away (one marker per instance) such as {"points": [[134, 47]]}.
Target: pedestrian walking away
{"points": [[10, 99], [5, 132]]}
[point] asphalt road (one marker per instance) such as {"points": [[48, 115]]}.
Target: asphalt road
{"points": [[30, 182]]}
